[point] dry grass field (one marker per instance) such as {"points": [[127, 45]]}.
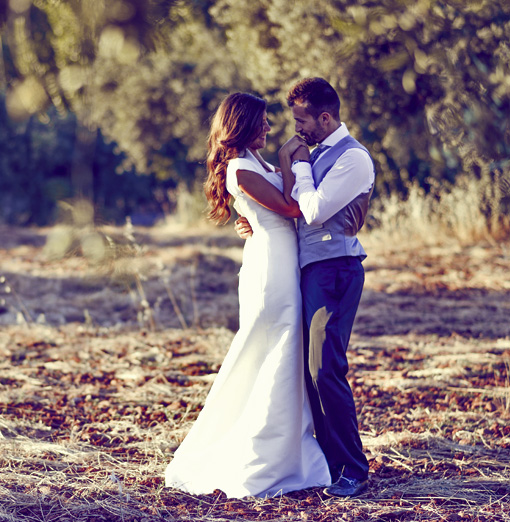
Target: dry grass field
{"points": [[106, 361]]}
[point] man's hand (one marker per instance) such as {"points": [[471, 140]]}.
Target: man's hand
{"points": [[243, 228]]}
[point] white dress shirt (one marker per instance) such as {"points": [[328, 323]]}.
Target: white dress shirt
{"points": [[351, 175]]}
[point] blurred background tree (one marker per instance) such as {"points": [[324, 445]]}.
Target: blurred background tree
{"points": [[424, 84], [139, 81]]}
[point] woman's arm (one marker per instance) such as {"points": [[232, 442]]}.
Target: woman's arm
{"points": [[267, 195]]}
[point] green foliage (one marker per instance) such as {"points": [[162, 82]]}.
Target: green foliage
{"points": [[146, 73], [45, 161], [146, 76], [424, 84]]}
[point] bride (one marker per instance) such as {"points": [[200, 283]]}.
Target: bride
{"points": [[254, 435]]}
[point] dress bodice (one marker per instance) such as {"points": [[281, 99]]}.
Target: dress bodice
{"points": [[259, 217]]}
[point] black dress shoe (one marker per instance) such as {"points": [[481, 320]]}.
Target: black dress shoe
{"points": [[346, 487]]}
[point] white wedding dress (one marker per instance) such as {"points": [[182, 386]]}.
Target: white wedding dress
{"points": [[254, 435]]}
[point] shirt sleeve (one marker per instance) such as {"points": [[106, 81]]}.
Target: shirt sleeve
{"points": [[351, 175]]}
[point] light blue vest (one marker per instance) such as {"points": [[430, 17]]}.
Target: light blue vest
{"points": [[337, 236]]}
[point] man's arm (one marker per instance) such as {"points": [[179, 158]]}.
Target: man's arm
{"points": [[352, 175]]}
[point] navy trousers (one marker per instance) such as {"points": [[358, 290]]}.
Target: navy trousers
{"points": [[331, 293]]}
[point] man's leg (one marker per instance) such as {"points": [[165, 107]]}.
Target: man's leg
{"points": [[331, 293]]}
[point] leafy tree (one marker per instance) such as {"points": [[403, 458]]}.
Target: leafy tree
{"points": [[424, 83], [146, 73], [45, 162], [146, 76]]}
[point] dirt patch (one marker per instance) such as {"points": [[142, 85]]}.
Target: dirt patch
{"points": [[105, 367]]}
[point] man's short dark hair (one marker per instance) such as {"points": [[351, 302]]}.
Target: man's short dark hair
{"points": [[317, 96]]}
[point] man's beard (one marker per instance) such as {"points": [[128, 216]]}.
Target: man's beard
{"points": [[309, 140], [313, 138]]}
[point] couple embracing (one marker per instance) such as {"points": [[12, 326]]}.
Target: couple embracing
{"points": [[280, 415]]}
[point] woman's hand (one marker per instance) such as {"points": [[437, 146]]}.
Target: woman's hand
{"points": [[291, 146], [243, 228], [301, 153]]}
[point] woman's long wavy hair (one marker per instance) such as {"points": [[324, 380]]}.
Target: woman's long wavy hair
{"points": [[236, 123]]}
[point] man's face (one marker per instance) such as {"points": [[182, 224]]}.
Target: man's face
{"points": [[307, 126]]}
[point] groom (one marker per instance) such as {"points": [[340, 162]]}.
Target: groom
{"points": [[333, 189]]}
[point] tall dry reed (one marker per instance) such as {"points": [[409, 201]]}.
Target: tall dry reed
{"points": [[471, 210]]}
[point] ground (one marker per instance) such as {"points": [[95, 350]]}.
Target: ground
{"points": [[106, 360]]}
